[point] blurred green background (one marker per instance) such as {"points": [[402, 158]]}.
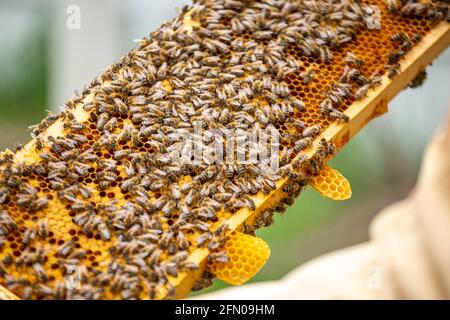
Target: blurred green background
{"points": [[39, 72]]}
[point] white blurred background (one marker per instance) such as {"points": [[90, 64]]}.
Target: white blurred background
{"points": [[42, 61]]}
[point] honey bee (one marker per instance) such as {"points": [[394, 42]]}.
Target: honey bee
{"points": [[165, 240], [325, 54], [393, 5], [7, 260], [129, 183], [399, 37], [189, 265], [110, 124], [28, 237], [417, 37], [326, 148], [297, 123], [155, 185], [43, 290], [87, 156], [168, 208], [336, 114], [437, 14], [297, 161], [220, 257], [40, 272], [42, 230], [225, 116], [395, 56], [249, 229], [298, 104], [237, 26], [351, 59], [66, 248], [204, 238], [77, 138], [302, 144], [102, 120], [292, 189], [311, 131], [121, 154], [262, 35], [104, 231], [361, 92], [393, 71], [419, 79], [326, 106], [406, 45], [162, 70], [413, 9], [349, 74], [375, 81], [204, 281], [265, 219], [24, 200], [78, 254], [249, 203], [314, 166], [69, 154]]}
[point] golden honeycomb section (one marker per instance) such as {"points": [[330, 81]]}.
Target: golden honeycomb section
{"points": [[247, 255], [331, 184]]}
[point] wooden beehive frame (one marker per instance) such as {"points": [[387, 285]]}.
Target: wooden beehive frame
{"points": [[7, 295], [360, 113]]}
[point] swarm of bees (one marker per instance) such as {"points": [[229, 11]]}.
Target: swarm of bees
{"points": [[226, 71]]}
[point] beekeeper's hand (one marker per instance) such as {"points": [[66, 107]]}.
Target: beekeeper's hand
{"points": [[408, 256]]}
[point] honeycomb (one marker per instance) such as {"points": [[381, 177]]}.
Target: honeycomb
{"points": [[331, 184], [92, 207], [247, 255]]}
